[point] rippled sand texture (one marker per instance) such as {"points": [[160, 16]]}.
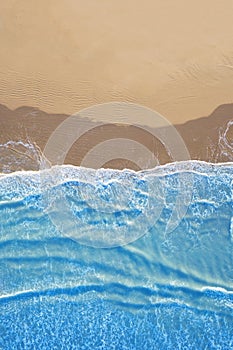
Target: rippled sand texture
{"points": [[60, 56]]}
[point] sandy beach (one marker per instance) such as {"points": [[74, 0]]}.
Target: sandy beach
{"points": [[61, 56], [26, 130], [58, 57], [137, 258]]}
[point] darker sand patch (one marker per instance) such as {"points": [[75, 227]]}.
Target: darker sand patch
{"points": [[207, 138]]}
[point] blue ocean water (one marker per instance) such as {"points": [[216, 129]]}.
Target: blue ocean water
{"points": [[117, 259]]}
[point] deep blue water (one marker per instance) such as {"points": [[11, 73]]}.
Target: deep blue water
{"points": [[117, 259]]}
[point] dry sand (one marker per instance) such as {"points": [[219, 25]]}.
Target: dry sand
{"points": [[60, 56], [63, 55]]}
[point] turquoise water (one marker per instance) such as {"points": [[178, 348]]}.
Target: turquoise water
{"points": [[117, 259]]}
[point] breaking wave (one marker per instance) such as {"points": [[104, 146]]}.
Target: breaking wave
{"points": [[146, 288]]}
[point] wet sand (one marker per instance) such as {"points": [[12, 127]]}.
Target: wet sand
{"points": [[60, 56], [26, 130]]}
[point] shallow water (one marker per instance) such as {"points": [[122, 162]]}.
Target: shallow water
{"points": [[117, 259]]}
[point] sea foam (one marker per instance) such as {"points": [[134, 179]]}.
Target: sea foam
{"points": [[87, 252]]}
